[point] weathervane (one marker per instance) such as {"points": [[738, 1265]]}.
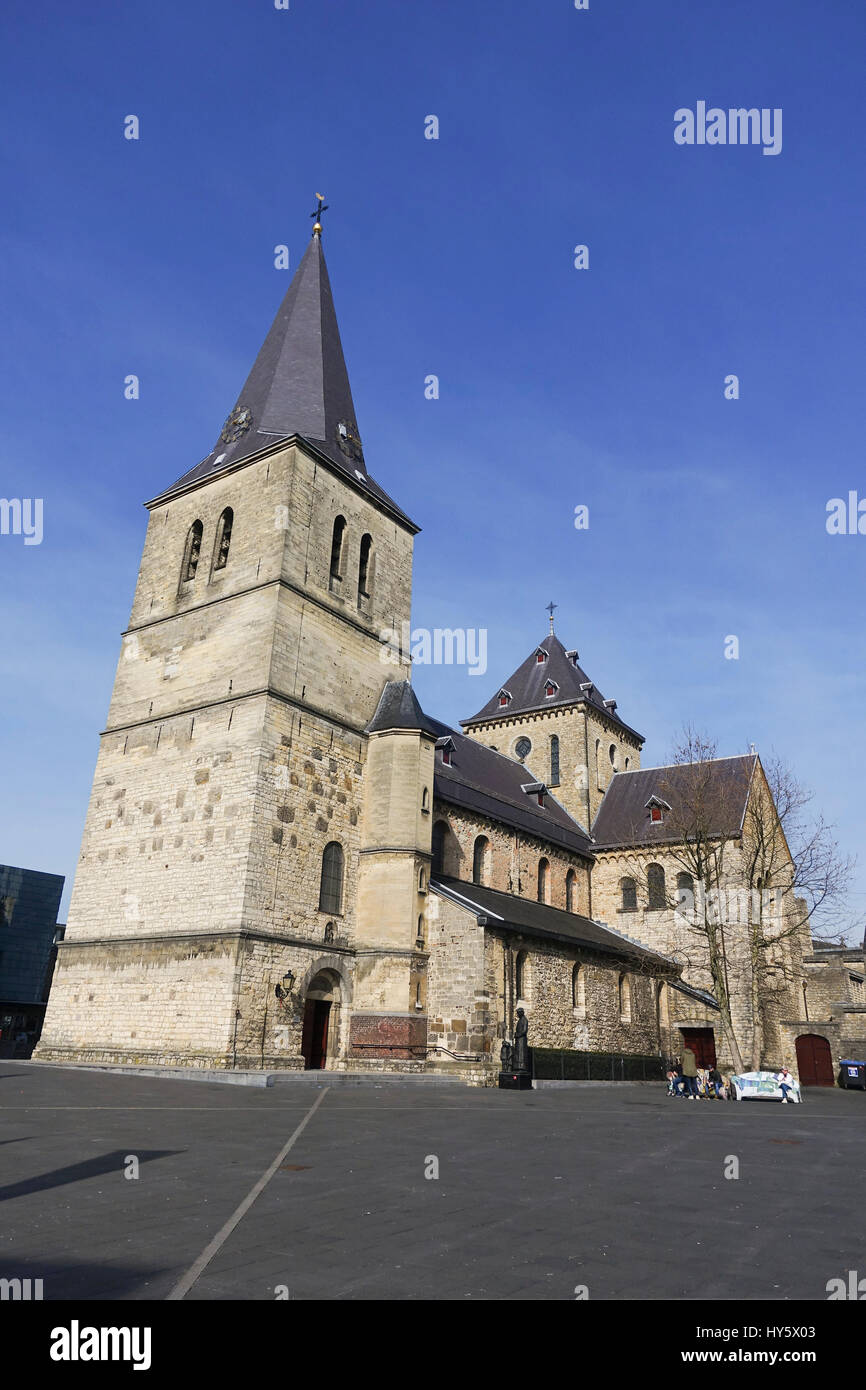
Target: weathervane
{"points": [[323, 207], [550, 608]]}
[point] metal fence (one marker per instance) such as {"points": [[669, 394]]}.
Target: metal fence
{"points": [[561, 1064]]}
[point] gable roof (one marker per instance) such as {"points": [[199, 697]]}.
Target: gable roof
{"points": [[298, 387], [623, 819], [493, 785], [526, 688], [509, 912]]}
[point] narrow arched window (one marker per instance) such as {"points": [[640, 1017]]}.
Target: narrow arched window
{"points": [[624, 999], [223, 539], [685, 894], [578, 987], [571, 891], [422, 881], [599, 773], [331, 885], [425, 799], [337, 539], [628, 889], [481, 861], [365, 568], [192, 550], [440, 830], [554, 760], [521, 976], [543, 880], [655, 877]]}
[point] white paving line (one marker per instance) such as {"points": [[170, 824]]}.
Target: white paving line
{"points": [[183, 1286]]}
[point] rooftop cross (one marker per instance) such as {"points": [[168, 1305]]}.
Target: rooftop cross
{"points": [[323, 207], [550, 608]]}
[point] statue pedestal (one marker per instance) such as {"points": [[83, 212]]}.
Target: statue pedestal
{"points": [[515, 1081]]}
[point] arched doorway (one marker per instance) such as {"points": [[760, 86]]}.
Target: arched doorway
{"points": [[320, 1033], [814, 1060]]}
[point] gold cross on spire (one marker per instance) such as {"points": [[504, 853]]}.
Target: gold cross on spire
{"points": [[550, 608]]}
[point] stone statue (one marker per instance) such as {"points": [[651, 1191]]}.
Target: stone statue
{"points": [[505, 1055], [521, 1047]]}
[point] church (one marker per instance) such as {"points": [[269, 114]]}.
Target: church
{"points": [[288, 863]]}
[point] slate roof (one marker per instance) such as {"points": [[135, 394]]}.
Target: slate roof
{"points": [[508, 911], [298, 386], [526, 687], [623, 819], [398, 708], [482, 780]]}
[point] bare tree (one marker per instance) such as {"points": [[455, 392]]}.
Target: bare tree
{"points": [[798, 886]]}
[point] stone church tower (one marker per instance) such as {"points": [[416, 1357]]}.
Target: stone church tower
{"points": [[552, 717], [215, 897]]}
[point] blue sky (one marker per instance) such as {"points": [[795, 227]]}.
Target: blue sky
{"points": [[558, 387]]}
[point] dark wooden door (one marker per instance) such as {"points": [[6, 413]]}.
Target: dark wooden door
{"points": [[314, 1037], [703, 1044], [814, 1060]]}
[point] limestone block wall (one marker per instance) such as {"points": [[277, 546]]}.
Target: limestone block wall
{"points": [[471, 1003], [308, 793], [459, 1007], [143, 1001], [513, 858]]}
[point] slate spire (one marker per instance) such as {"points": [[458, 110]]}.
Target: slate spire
{"points": [[298, 384]]}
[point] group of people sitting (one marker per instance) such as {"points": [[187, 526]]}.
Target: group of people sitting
{"points": [[686, 1079]]}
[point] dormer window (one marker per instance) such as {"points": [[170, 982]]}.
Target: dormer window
{"points": [[445, 748], [504, 698], [610, 705], [657, 808], [541, 656], [587, 690], [572, 657], [550, 689], [537, 790]]}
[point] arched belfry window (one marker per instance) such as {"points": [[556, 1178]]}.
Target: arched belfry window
{"points": [[223, 539], [543, 880], [337, 538], [554, 760], [365, 569], [331, 886], [192, 551], [571, 891]]}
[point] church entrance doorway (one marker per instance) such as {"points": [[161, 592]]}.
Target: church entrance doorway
{"points": [[703, 1044], [814, 1060], [320, 1035], [314, 1038]]}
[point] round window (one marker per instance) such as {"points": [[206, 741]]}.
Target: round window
{"points": [[523, 748]]}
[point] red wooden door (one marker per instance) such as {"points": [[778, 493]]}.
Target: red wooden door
{"points": [[703, 1044], [814, 1060]]}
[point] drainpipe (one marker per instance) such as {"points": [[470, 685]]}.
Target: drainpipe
{"points": [[586, 765]]}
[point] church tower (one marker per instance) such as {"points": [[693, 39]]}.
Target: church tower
{"points": [[213, 918], [551, 716]]}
